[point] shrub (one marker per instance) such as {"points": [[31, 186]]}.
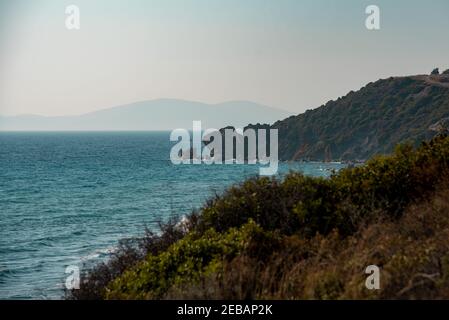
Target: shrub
{"points": [[411, 251], [300, 237], [184, 262], [309, 205]]}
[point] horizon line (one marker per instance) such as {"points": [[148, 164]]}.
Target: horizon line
{"points": [[143, 101]]}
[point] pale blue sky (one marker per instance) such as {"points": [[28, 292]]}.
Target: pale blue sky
{"points": [[290, 54]]}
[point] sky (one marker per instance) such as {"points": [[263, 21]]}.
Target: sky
{"points": [[291, 54]]}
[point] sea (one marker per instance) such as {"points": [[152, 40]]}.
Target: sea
{"points": [[67, 198]]}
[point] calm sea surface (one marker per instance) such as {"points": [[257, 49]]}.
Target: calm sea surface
{"points": [[67, 198]]}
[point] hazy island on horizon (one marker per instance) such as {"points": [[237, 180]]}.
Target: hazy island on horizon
{"points": [[150, 115]]}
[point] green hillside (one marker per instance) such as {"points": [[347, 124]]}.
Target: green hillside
{"points": [[367, 122]]}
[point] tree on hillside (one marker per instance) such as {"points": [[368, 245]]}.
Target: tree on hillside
{"points": [[446, 71], [435, 71]]}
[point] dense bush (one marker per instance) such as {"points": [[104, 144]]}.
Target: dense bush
{"points": [[412, 252], [184, 262], [308, 205], [256, 237]]}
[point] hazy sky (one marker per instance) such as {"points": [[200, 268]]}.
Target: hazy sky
{"points": [[290, 54]]}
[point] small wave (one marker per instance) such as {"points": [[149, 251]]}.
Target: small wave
{"points": [[99, 253], [183, 222], [4, 274]]}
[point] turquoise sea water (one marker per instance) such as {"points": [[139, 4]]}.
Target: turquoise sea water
{"points": [[67, 198]]}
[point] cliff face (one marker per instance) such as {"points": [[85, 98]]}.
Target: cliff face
{"points": [[367, 122]]}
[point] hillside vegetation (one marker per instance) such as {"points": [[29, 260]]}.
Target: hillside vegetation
{"points": [[370, 121], [300, 238]]}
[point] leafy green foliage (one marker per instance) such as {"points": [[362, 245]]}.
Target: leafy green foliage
{"points": [[309, 205], [184, 262]]}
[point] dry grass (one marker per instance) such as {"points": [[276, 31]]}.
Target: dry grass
{"points": [[412, 252]]}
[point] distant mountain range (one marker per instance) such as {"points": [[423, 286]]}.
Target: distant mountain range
{"points": [[163, 114], [370, 121]]}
